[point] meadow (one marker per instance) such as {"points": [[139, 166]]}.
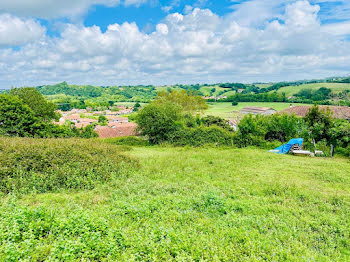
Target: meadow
{"points": [[335, 87], [174, 204], [226, 110]]}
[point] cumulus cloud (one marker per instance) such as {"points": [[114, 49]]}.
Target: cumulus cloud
{"points": [[15, 31], [196, 47]]}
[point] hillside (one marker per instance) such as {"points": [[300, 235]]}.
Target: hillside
{"points": [[335, 87], [183, 204]]}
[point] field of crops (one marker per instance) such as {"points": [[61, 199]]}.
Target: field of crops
{"points": [[171, 204]]}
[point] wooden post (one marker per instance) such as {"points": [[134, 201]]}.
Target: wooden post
{"points": [[332, 150]]}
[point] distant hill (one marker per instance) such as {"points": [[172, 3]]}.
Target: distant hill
{"points": [[335, 87]]}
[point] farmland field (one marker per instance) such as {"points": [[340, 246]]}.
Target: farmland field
{"points": [[336, 87], [226, 110], [184, 204]]}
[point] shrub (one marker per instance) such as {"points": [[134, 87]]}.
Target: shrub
{"points": [[28, 165], [205, 135], [127, 141]]}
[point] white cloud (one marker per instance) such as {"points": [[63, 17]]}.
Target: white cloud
{"points": [[338, 29], [15, 31], [135, 2], [196, 47]]}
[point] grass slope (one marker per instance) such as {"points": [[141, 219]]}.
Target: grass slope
{"points": [[336, 87], [186, 204]]}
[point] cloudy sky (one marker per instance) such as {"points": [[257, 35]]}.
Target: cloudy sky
{"points": [[115, 42]]}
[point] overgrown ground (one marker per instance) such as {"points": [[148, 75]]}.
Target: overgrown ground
{"points": [[189, 204]]}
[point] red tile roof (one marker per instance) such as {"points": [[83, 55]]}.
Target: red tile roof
{"points": [[122, 129], [341, 112]]}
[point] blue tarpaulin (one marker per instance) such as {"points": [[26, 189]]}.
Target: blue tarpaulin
{"points": [[284, 149]]}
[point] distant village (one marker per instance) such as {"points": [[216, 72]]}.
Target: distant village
{"points": [[117, 123]]}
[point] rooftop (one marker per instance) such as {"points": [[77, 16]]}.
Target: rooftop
{"points": [[340, 112]]}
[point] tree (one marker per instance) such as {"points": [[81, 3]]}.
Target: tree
{"points": [[319, 122], [188, 101], [282, 127], [16, 118], [41, 108], [102, 120], [159, 121]]}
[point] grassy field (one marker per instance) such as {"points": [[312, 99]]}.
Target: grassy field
{"points": [[184, 204], [336, 87], [226, 110]]}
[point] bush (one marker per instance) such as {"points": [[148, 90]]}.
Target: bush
{"points": [[205, 135], [127, 141], [32, 165]]}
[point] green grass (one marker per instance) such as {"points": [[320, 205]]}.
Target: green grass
{"points": [[226, 110], [206, 90], [263, 85], [336, 87], [184, 204]]}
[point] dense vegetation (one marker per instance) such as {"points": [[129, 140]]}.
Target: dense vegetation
{"points": [[169, 120], [24, 112], [184, 204], [30, 165]]}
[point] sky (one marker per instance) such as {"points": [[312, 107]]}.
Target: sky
{"points": [[129, 42]]}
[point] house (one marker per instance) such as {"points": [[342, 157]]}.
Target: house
{"points": [[116, 130], [340, 112], [258, 110], [233, 123], [73, 118], [117, 119]]}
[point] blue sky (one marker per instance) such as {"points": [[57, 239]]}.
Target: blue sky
{"points": [[111, 42]]}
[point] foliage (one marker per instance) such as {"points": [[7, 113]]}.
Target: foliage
{"points": [[28, 165], [127, 141], [256, 130], [188, 101], [201, 136], [42, 109], [102, 120], [319, 123], [159, 121], [16, 118], [189, 204], [217, 121], [315, 95], [251, 131], [251, 97]]}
